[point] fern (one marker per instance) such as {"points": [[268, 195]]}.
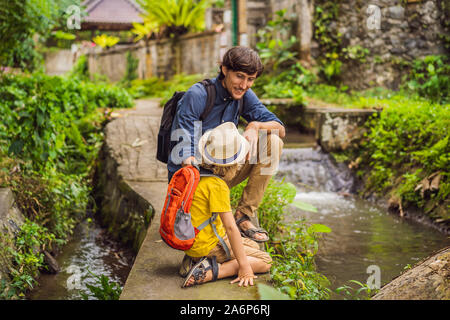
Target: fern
{"points": [[171, 17]]}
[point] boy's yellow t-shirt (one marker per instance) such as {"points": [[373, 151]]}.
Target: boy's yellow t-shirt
{"points": [[212, 195]]}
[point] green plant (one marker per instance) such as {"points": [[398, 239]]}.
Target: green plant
{"points": [[81, 69], [45, 117], [171, 17], [26, 253], [50, 136], [406, 152], [357, 53], [430, 77], [105, 289], [23, 20], [270, 212], [275, 46], [293, 268], [363, 292], [105, 41], [326, 12], [160, 88], [292, 246], [131, 69], [268, 293]]}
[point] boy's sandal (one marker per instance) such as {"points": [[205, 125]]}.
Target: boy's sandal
{"points": [[200, 269], [186, 265], [250, 233]]}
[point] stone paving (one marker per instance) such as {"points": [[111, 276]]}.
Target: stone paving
{"points": [[131, 140]]}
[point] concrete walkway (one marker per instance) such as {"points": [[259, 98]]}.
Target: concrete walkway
{"points": [[131, 140]]}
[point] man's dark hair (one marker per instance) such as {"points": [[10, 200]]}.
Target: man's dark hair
{"points": [[241, 59]]}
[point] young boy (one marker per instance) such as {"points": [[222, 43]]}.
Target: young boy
{"points": [[220, 253]]}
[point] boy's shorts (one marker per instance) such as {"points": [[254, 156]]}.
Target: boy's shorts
{"points": [[251, 249]]}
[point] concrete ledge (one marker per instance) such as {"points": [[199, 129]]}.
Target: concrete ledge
{"points": [[335, 127]]}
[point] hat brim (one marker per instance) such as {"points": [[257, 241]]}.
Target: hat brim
{"points": [[239, 157]]}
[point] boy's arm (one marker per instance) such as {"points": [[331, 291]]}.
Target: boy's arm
{"points": [[245, 275]]}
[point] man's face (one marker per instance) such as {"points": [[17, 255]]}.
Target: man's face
{"points": [[237, 82]]}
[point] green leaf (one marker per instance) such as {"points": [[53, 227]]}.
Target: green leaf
{"points": [[317, 227], [304, 206], [268, 293]]}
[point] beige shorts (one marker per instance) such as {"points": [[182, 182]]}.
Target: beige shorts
{"points": [[251, 249]]}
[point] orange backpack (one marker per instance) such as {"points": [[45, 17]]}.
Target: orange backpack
{"points": [[176, 228]]}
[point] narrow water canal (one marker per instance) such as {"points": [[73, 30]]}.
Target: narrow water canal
{"points": [[90, 253], [363, 233]]}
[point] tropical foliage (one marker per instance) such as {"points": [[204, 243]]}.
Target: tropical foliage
{"points": [[50, 135], [275, 45], [292, 246], [105, 41], [406, 153], [171, 17], [25, 21]]}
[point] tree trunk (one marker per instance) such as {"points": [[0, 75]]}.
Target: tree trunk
{"points": [[305, 29], [428, 280], [148, 60]]}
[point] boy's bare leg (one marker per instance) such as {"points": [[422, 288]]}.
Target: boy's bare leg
{"points": [[231, 268]]}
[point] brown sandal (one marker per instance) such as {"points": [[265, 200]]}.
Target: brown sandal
{"points": [[250, 233], [200, 269]]}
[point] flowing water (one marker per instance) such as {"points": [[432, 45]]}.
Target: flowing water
{"points": [[89, 254], [363, 234]]}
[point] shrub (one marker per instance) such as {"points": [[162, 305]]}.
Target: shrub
{"points": [[430, 77], [407, 143], [292, 246], [45, 117], [50, 135]]}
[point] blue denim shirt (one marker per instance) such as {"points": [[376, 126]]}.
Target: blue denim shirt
{"points": [[191, 106]]}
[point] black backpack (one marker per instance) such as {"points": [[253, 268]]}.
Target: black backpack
{"points": [[165, 146]]}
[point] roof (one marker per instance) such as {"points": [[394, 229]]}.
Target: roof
{"points": [[111, 14]]}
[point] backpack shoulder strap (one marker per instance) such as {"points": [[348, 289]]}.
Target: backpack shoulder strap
{"points": [[241, 107], [211, 97], [213, 226]]}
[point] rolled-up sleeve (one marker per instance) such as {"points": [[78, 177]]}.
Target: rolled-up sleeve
{"points": [[254, 110]]}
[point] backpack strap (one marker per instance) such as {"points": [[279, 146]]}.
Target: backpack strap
{"points": [[211, 98], [241, 107], [213, 226]]}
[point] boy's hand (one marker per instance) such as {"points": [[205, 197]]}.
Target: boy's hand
{"points": [[245, 276], [188, 161]]}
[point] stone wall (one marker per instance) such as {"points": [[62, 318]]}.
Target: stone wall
{"points": [[406, 31], [59, 62], [335, 129], [193, 53], [393, 31]]}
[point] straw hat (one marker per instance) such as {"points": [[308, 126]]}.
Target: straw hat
{"points": [[223, 146]]}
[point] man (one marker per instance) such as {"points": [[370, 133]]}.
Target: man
{"points": [[239, 69]]}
